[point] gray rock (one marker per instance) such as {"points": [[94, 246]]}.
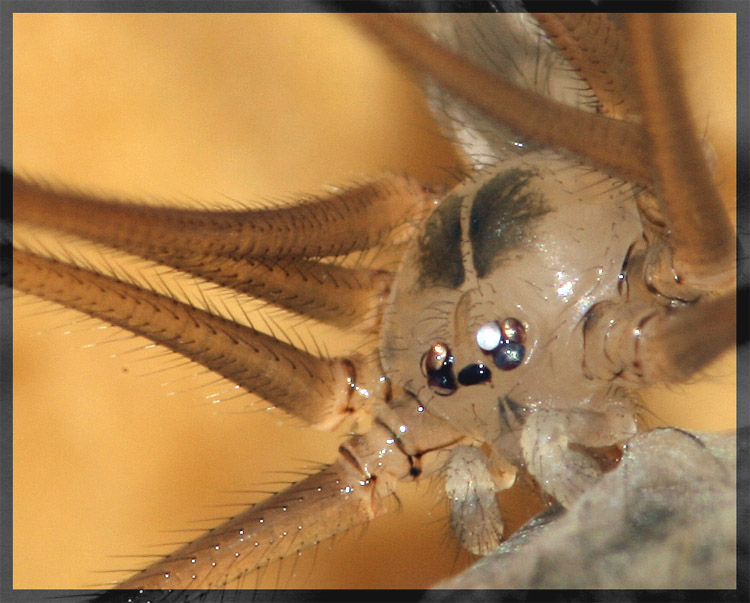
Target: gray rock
{"points": [[665, 518]]}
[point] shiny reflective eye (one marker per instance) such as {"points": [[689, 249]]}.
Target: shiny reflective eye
{"points": [[509, 355], [489, 336], [513, 330], [437, 366], [504, 341], [435, 358]]}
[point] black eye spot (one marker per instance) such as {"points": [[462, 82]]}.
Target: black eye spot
{"points": [[440, 259], [473, 374], [503, 214], [437, 366], [443, 383], [509, 355]]}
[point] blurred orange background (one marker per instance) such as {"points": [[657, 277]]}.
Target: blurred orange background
{"points": [[194, 106]]}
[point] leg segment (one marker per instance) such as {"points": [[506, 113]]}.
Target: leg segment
{"points": [[349, 298], [595, 46], [529, 114], [321, 391], [347, 493], [648, 343], [354, 219], [701, 252]]}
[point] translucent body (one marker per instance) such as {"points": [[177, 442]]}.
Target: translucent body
{"points": [[558, 266]]}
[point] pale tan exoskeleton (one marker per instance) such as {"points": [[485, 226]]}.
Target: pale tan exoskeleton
{"points": [[294, 453]]}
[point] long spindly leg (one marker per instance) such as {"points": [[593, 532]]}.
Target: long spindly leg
{"points": [[245, 136], [350, 220], [323, 392], [350, 298], [645, 81], [693, 254], [701, 251], [351, 491], [645, 338], [254, 251], [528, 113], [596, 48]]}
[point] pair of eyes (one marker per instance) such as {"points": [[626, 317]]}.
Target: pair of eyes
{"points": [[502, 340]]}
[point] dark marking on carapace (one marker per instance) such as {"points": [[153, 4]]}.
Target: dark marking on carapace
{"points": [[440, 262], [502, 218]]}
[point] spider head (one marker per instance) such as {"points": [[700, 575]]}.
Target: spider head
{"points": [[489, 301]]}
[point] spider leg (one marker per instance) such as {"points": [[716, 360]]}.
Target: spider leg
{"points": [[667, 327], [350, 220], [596, 48], [321, 391], [346, 297], [700, 255], [528, 113], [349, 492], [647, 343], [353, 490], [343, 296]]}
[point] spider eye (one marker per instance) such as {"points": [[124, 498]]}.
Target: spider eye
{"points": [[473, 374], [513, 330], [435, 358], [489, 336], [437, 366], [504, 341], [508, 355]]}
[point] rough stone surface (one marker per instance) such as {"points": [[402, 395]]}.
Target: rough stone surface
{"points": [[665, 518]]}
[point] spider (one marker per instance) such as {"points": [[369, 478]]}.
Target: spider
{"points": [[86, 431]]}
